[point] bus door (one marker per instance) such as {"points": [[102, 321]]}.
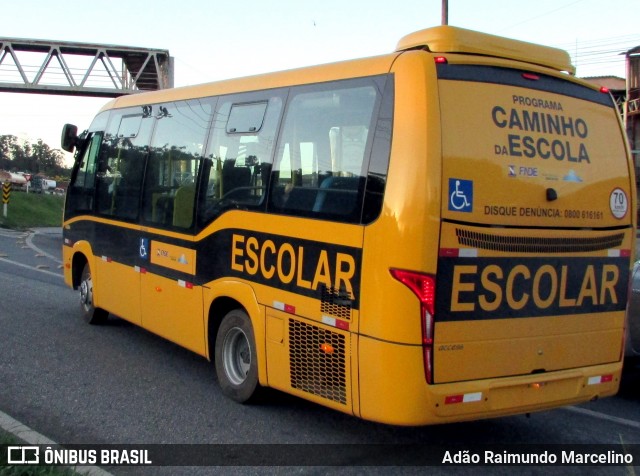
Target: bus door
{"points": [[171, 305], [171, 301], [118, 182]]}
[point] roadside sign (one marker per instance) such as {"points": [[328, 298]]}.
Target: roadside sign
{"points": [[6, 192]]}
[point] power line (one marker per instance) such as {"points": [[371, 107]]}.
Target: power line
{"points": [[541, 15], [600, 55]]}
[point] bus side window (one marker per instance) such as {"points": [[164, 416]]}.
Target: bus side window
{"points": [[122, 157], [380, 153], [174, 162], [321, 160], [83, 183], [240, 153]]}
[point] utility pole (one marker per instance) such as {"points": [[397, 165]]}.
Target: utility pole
{"points": [[445, 12]]}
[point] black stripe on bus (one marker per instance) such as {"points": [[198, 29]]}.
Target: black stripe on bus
{"points": [[487, 288], [306, 267], [514, 77]]}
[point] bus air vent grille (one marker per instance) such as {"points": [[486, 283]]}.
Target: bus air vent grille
{"points": [[336, 303], [318, 361], [535, 244]]}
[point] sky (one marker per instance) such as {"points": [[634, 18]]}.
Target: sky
{"points": [[214, 39]]}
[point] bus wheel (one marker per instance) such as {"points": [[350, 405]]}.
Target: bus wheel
{"points": [[235, 357], [90, 313]]}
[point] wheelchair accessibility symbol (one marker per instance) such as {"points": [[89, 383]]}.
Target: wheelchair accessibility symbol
{"points": [[460, 195], [144, 248]]}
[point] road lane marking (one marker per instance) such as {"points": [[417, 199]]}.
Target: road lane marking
{"points": [[604, 416], [5, 233], [30, 244], [32, 437], [15, 263]]}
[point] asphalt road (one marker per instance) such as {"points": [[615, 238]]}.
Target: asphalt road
{"points": [[117, 383]]}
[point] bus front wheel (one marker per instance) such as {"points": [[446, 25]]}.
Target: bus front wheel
{"points": [[90, 313], [235, 357]]}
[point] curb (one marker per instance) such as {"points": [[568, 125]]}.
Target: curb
{"points": [[32, 437]]}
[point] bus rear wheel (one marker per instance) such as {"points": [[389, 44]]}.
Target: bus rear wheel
{"points": [[90, 313], [235, 357]]}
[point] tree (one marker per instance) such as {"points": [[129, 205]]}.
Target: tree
{"points": [[8, 145], [35, 158], [22, 159], [51, 162]]}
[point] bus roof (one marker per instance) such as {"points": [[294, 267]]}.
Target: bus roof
{"points": [[440, 39], [305, 75], [449, 39]]}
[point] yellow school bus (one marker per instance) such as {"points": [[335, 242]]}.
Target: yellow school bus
{"points": [[442, 233]]}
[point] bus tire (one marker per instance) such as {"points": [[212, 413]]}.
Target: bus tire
{"points": [[90, 313], [235, 357]]}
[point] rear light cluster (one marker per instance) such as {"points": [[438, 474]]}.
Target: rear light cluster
{"points": [[424, 287]]}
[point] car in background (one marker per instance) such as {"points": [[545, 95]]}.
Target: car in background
{"points": [[633, 315]]}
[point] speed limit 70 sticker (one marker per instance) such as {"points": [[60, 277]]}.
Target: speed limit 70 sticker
{"points": [[619, 203]]}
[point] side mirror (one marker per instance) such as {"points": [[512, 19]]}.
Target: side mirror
{"points": [[69, 138]]}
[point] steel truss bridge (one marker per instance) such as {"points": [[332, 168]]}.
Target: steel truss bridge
{"points": [[81, 69]]}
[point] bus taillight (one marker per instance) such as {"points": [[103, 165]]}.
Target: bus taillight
{"points": [[424, 287]]}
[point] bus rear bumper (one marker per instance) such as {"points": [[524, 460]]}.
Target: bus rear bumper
{"points": [[394, 390], [523, 394]]}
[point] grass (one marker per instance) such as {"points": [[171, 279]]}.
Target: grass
{"points": [[29, 210], [20, 470]]}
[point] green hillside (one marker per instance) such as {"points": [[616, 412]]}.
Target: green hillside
{"points": [[28, 210]]}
